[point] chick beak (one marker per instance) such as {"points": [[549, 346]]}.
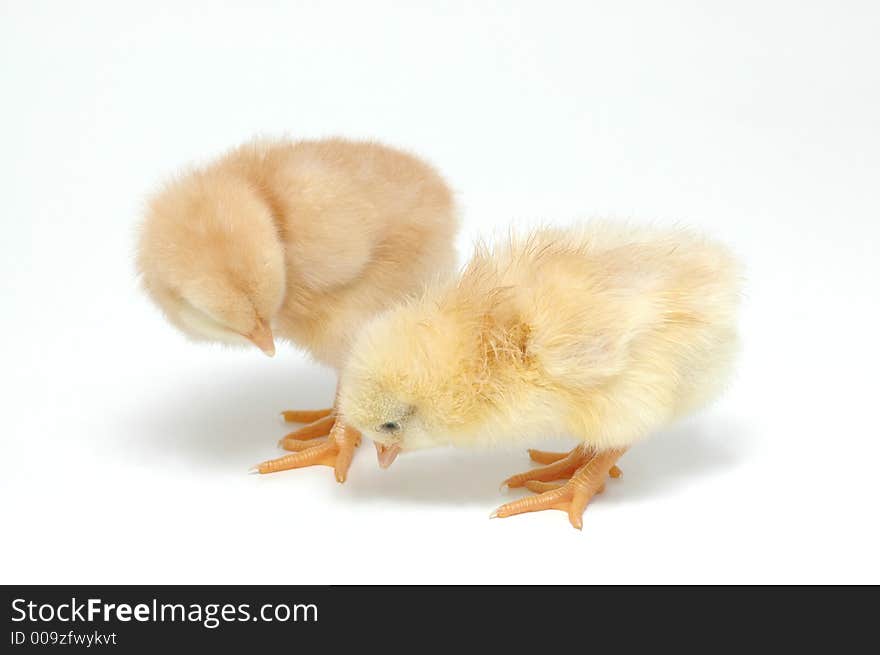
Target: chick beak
{"points": [[386, 454], [262, 338]]}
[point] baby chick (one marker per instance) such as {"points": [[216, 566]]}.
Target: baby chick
{"points": [[603, 332], [304, 240]]}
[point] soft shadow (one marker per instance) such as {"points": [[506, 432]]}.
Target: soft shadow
{"points": [[678, 456], [229, 419], [663, 462], [437, 477]]}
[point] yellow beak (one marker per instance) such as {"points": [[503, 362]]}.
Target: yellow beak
{"points": [[386, 454], [262, 338]]}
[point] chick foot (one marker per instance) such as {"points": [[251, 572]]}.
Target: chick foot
{"points": [[326, 441], [546, 457], [305, 415], [586, 471]]}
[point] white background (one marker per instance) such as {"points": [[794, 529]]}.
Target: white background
{"points": [[124, 448]]}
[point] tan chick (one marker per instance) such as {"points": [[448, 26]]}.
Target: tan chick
{"points": [[603, 332], [304, 240]]}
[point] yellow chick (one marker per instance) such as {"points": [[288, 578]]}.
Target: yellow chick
{"points": [[305, 240], [604, 332]]}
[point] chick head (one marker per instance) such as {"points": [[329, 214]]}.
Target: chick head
{"points": [[428, 373], [210, 257]]}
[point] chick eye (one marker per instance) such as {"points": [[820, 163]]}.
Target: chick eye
{"points": [[390, 426]]}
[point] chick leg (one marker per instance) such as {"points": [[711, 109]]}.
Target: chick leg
{"points": [[560, 466], [319, 428], [587, 469], [546, 457], [325, 441], [305, 416], [337, 450]]}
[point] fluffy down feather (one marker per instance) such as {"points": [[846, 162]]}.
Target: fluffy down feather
{"points": [[311, 238], [605, 331]]}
